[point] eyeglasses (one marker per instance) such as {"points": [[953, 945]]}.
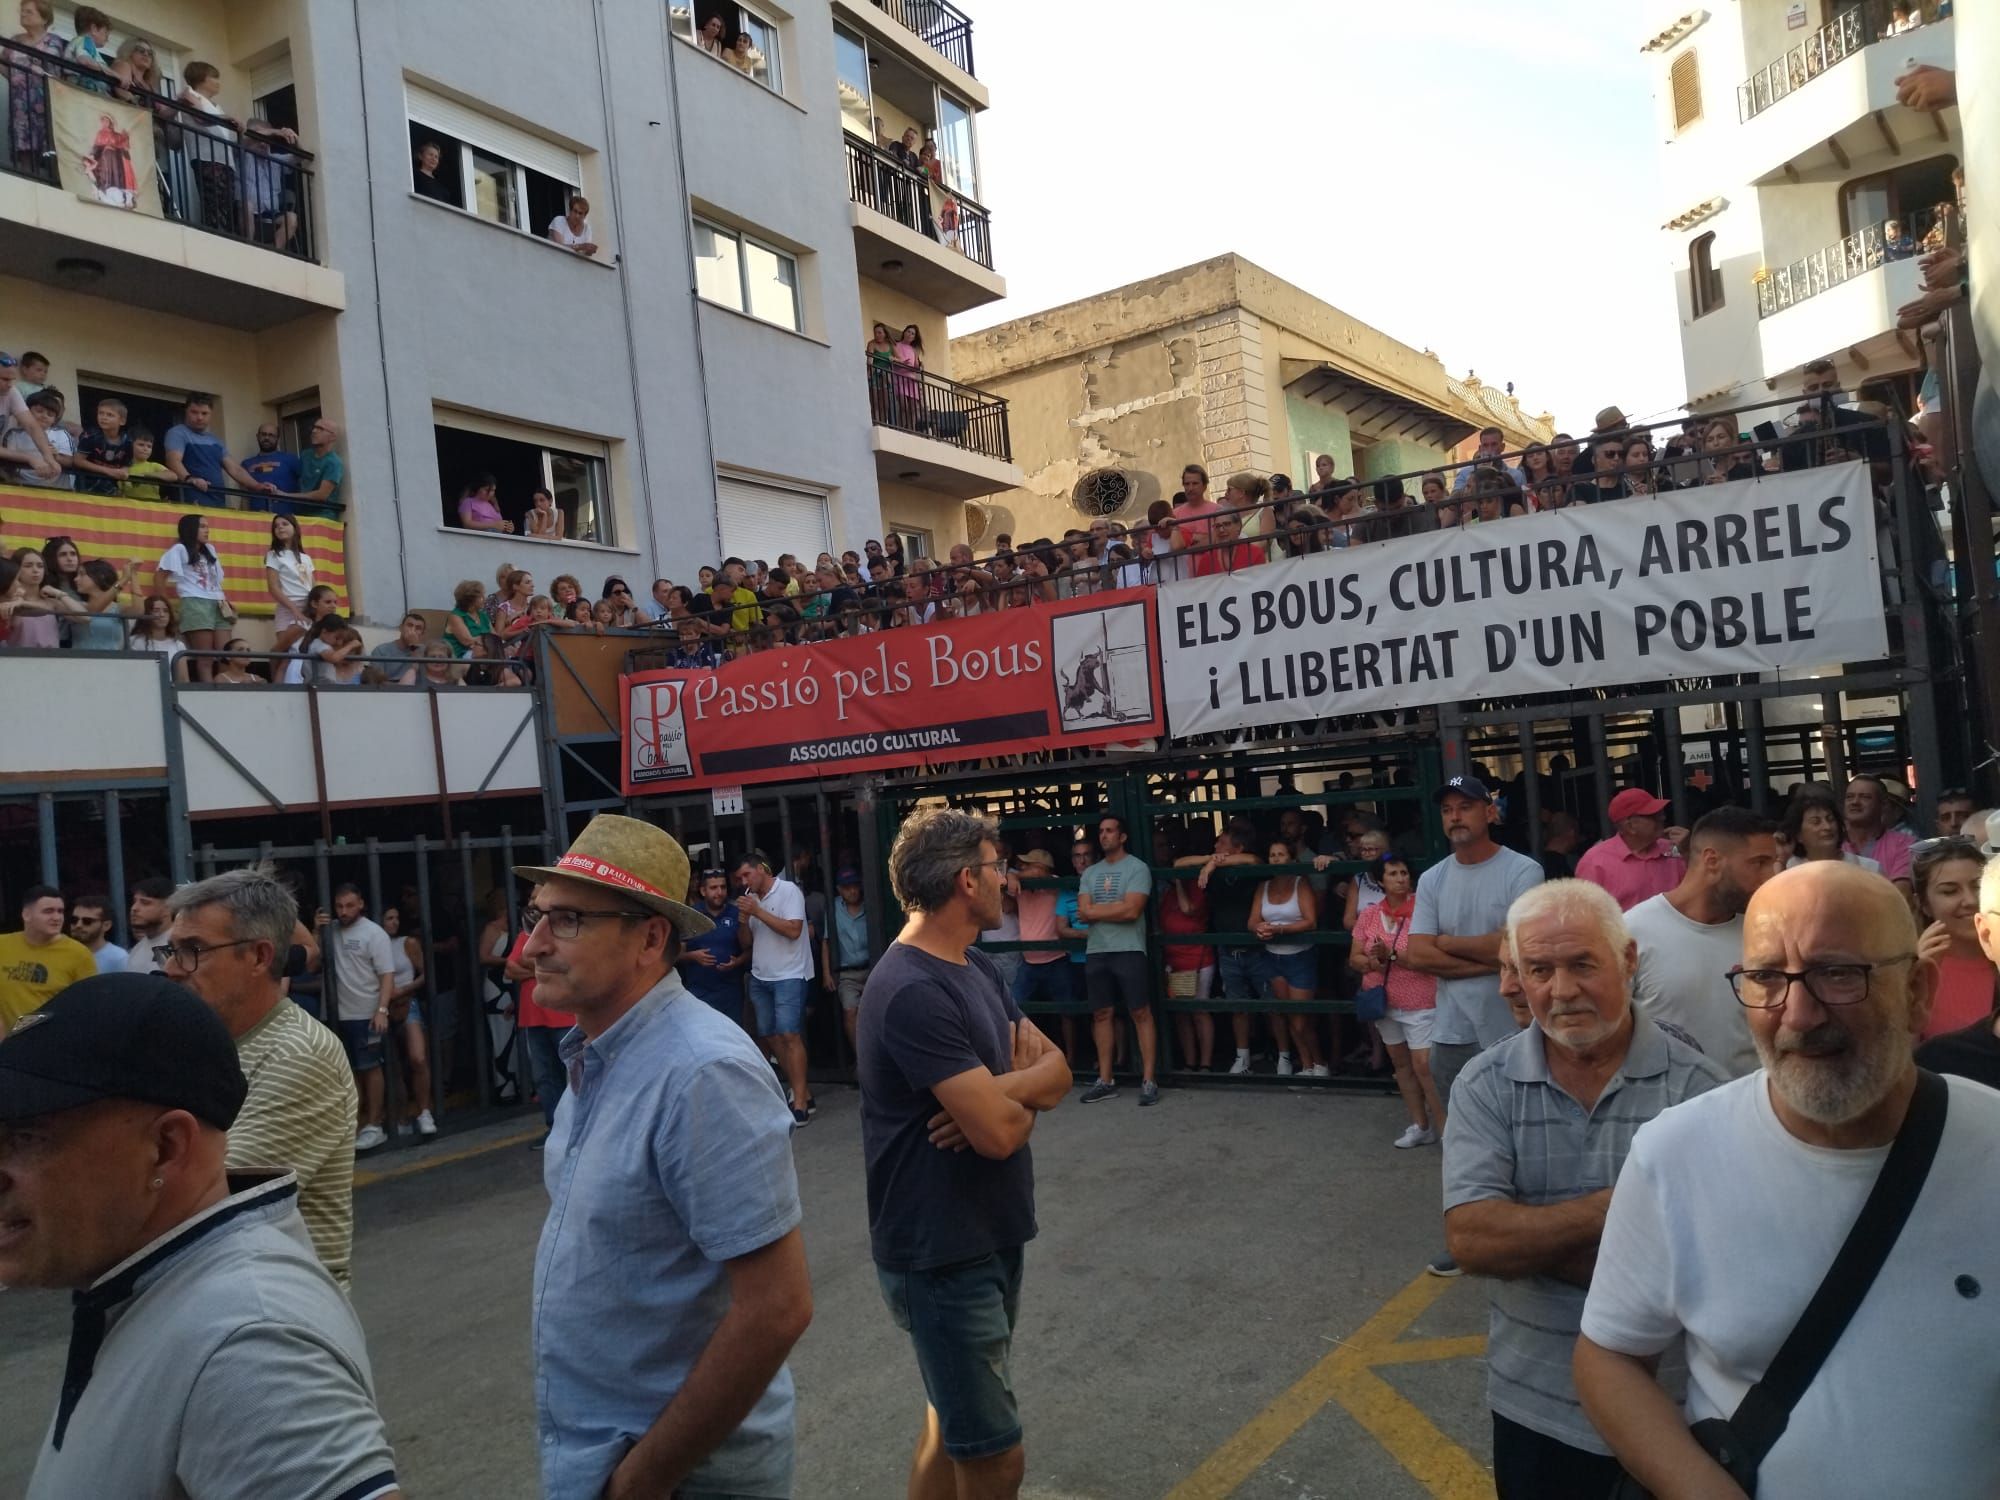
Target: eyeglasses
{"points": [[997, 866], [1830, 984], [567, 925], [188, 956]]}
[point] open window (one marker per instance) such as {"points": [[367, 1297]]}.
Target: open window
{"points": [[739, 35], [1705, 290], [489, 168], [519, 461]]}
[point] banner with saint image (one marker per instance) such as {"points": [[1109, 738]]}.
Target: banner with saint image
{"points": [[104, 149]]}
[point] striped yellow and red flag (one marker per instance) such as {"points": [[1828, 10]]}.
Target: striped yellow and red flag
{"points": [[116, 530]]}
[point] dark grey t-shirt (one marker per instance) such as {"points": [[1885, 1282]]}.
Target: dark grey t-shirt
{"points": [[922, 1021]]}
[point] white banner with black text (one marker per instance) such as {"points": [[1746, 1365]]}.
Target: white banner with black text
{"points": [[1752, 576]]}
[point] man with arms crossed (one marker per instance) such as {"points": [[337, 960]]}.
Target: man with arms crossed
{"points": [[1732, 1208], [1458, 933], [952, 1077], [1112, 896], [781, 968], [671, 1281]]}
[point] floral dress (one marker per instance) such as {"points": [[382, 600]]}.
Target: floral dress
{"points": [[28, 104]]}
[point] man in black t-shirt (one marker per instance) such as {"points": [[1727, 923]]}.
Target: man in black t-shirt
{"points": [[1973, 1052], [952, 1078]]}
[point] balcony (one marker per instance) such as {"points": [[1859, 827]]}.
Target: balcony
{"points": [[945, 29], [918, 236], [1827, 109], [940, 435], [137, 198], [1844, 296]]}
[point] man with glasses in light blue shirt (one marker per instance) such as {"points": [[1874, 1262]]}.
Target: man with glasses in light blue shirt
{"points": [[670, 1282]]}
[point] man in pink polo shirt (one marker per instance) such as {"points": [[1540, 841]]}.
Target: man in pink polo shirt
{"points": [[1871, 832], [1641, 859]]}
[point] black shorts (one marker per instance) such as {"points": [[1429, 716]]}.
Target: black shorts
{"points": [[1114, 979]]}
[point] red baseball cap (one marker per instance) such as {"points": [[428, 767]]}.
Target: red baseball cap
{"points": [[1636, 802]]}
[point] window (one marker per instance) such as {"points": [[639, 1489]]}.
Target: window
{"points": [[915, 539], [152, 410], [954, 144], [273, 99], [1704, 281], [1684, 78], [295, 422], [758, 519], [1101, 492], [487, 167], [1912, 193], [850, 69], [737, 272], [734, 34], [518, 466]]}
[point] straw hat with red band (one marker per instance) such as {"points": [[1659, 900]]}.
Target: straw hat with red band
{"points": [[634, 859]]}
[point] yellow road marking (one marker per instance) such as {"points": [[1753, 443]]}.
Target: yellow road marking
{"points": [[1344, 1376], [390, 1174]]}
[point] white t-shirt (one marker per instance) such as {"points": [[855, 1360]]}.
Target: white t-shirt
{"points": [[295, 573], [139, 957], [362, 954], [773, 956], [169, 647], [1680, 980], [196, 578], [1721, 1227], [559, 231]]}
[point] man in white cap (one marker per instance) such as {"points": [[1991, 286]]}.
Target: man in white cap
{"points": [[671, 1281]]}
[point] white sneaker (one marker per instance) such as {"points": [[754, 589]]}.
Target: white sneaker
{"points": [[425, 1124], [370, 1137], [1415, 1135], [1284, 1065], [1319, 1070], [1239, 1067]]}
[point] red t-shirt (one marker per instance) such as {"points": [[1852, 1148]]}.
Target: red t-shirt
{"points": [[1227, 559], [1173, 921], [529, 1013]]}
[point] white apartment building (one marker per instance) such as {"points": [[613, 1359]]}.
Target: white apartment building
{"points": [[697, 387], [1795, 191]]}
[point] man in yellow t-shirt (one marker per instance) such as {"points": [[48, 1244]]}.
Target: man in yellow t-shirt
{"points": [[38, 961]]}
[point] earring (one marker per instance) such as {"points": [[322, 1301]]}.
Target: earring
{"points": [[158, 1183]]}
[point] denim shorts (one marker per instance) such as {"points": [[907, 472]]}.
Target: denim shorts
{"points": [[961, 1320], [1242, 973], [780, 1005], [363, 1043], [1299, 970]]}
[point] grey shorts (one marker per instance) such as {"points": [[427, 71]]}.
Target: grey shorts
{"points": [[851, 982]]}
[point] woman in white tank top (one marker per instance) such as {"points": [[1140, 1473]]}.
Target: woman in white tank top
{"points": [[1286, 906]]}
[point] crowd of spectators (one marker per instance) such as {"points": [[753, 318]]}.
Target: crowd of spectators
{"points": [[239, 177]]}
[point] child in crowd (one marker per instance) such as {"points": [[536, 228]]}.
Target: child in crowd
{"points": [[92, 47], [45, 408], [340, 662], [104, 454], [34, 369], [137, 484]]}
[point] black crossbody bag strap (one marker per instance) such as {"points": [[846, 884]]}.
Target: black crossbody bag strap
{"points": [[1766, 1409]]}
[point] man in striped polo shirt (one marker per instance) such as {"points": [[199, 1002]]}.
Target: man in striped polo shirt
{"points": [[228, 943], [1540, 1124]]}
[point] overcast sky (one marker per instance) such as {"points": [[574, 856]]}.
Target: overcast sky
{"points": [[1392, 157]]}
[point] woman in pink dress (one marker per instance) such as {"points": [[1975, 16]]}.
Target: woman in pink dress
{"points": [[909, 377]]}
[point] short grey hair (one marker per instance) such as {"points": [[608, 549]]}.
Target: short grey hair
{"points": [[1989, 886], [258, 904], [931, 848], [1568, 901]]}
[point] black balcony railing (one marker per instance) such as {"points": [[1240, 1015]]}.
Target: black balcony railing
{"points": [[879, 180], [254, 187], [1850, 256], [917, 401], [1838, 40], [946, 28]]}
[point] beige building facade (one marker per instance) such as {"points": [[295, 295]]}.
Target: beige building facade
{"points": [[1222, 364]]}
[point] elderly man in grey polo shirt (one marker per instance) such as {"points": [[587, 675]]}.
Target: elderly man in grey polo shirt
{"points": [[1539, 1126]]}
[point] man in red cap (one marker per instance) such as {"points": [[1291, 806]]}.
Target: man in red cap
{"points": [[1642, 858]]}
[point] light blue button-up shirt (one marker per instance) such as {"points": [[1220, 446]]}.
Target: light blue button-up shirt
{"points": [[671, 1154]]}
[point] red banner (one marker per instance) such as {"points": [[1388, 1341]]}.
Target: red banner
{"points": [[1081, 672]]}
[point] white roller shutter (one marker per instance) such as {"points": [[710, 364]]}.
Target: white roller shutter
{"points": [[516, 145], [764, 520], [271, 76]]}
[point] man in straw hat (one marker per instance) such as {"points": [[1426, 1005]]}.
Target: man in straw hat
{"points": [[209, 1351], [671, 1280]]}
